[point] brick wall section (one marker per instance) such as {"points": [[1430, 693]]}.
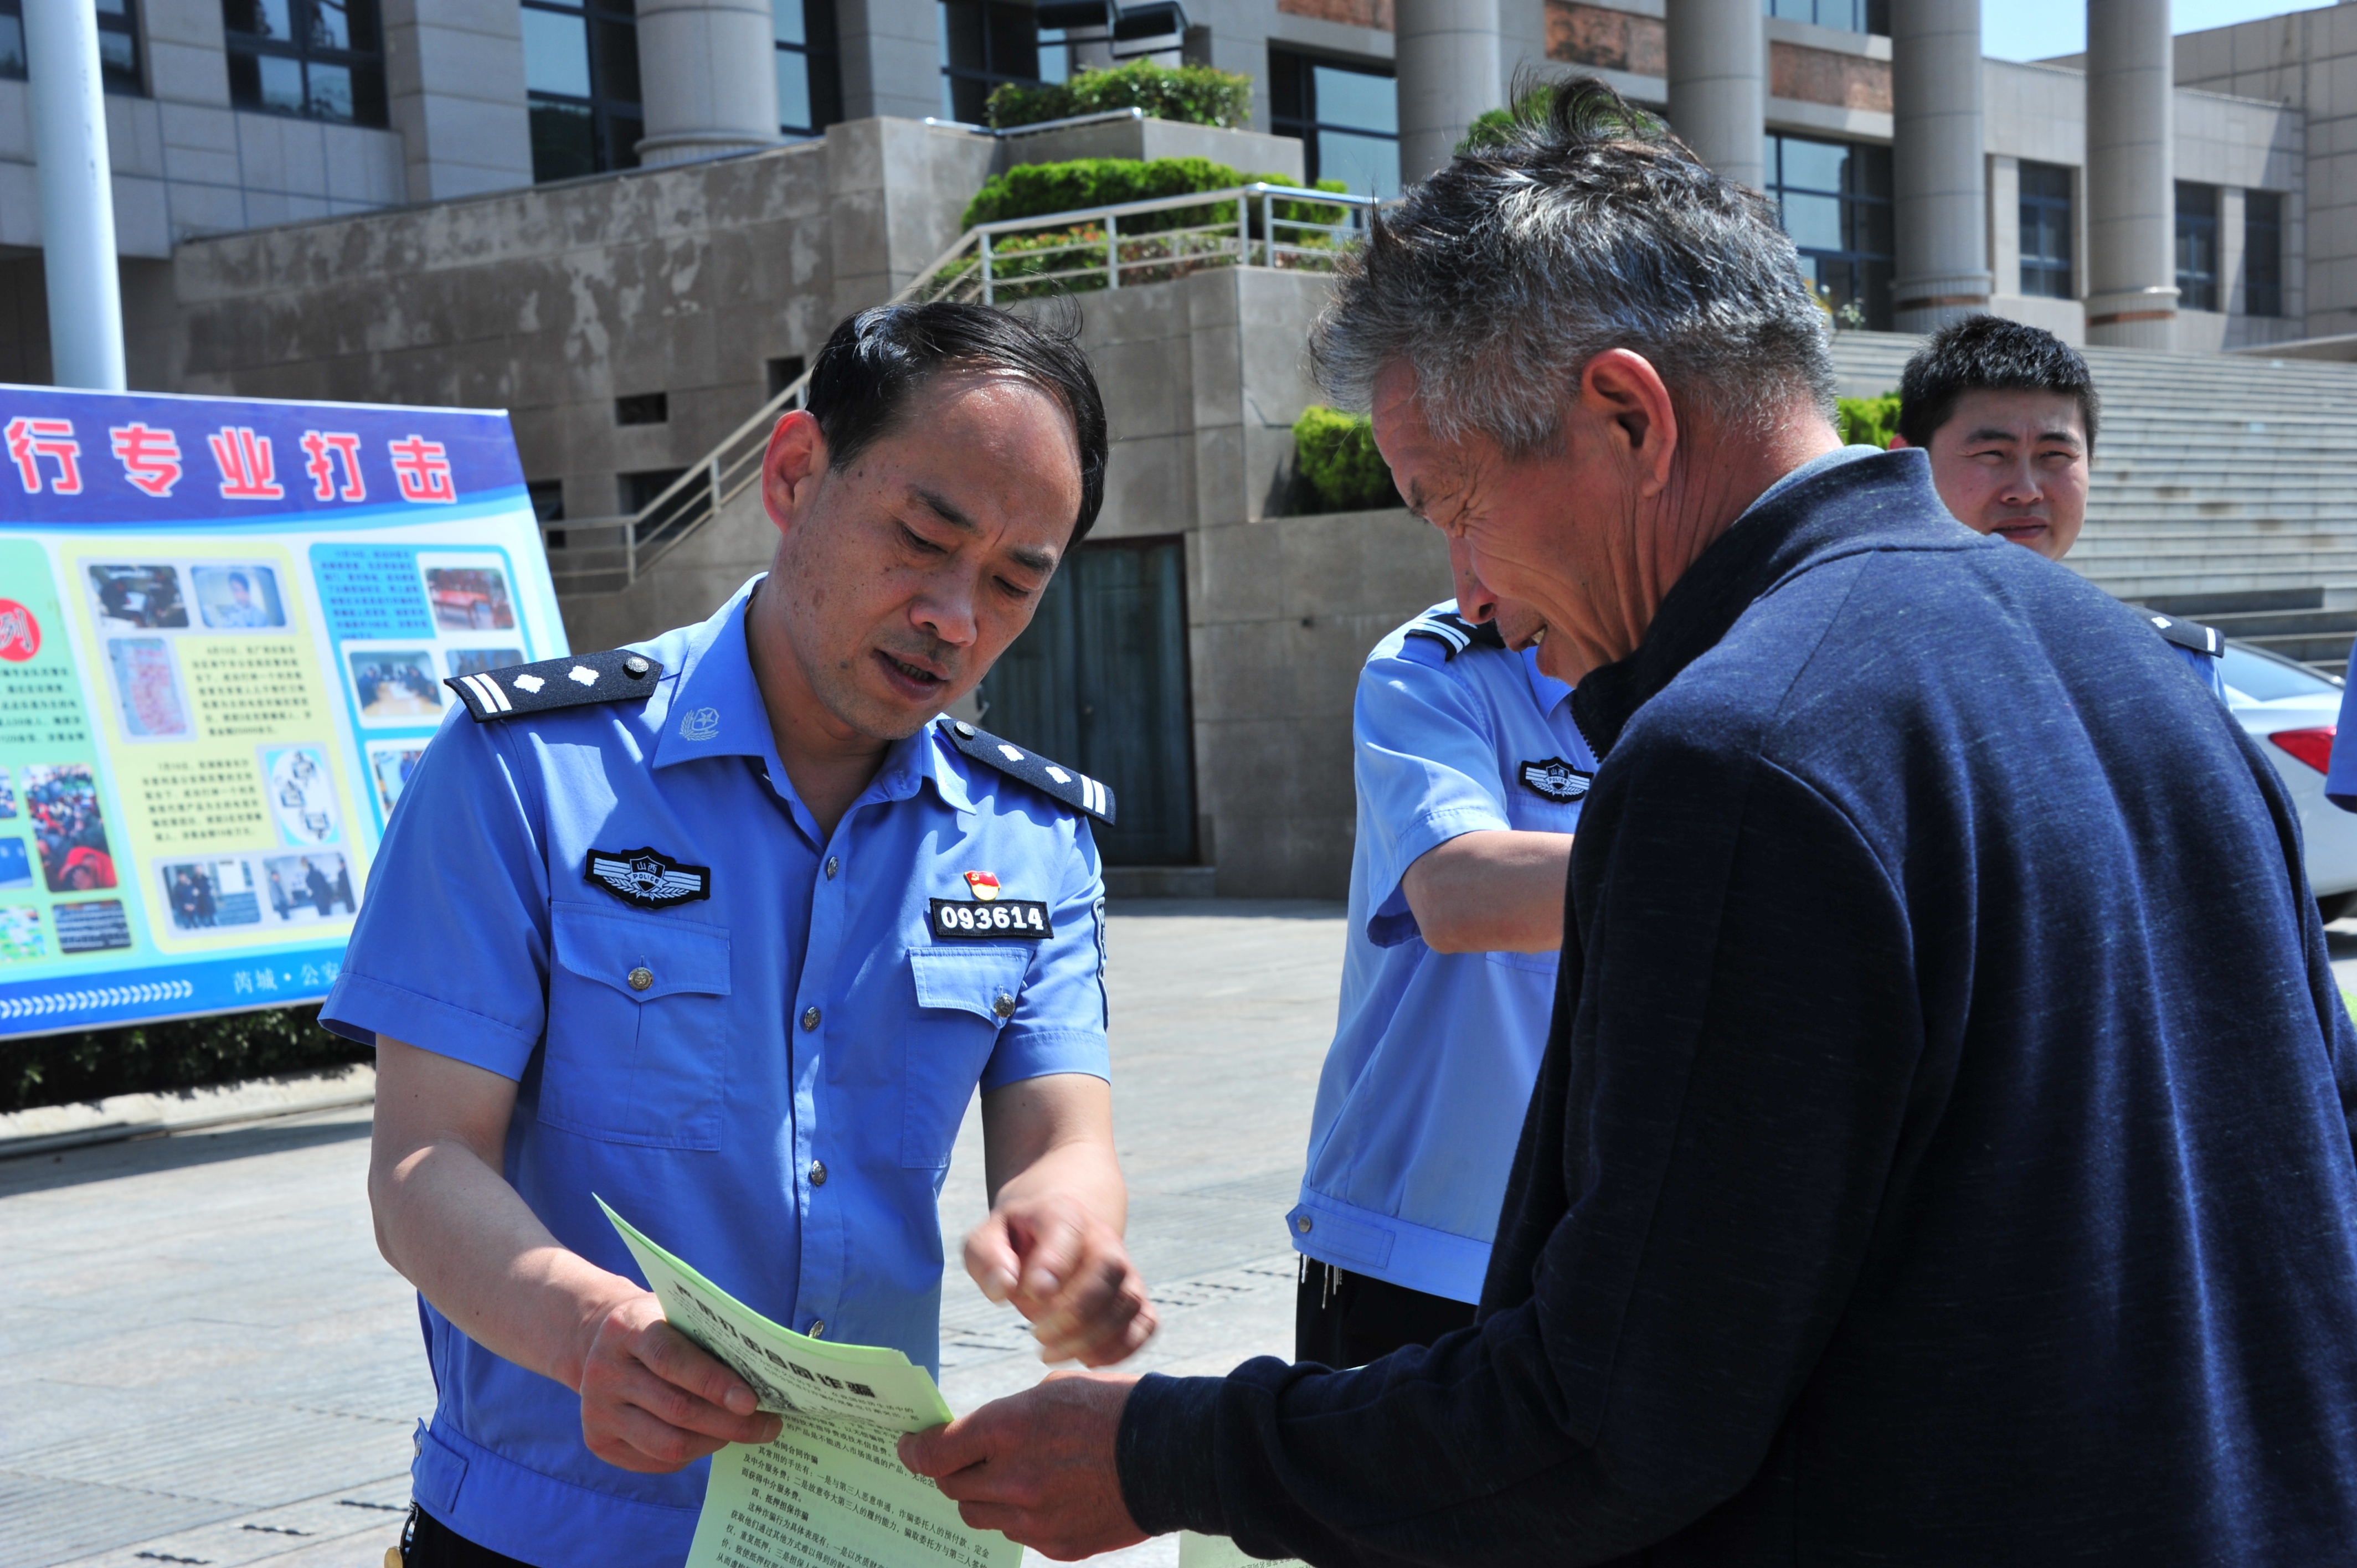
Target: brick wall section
{"points": [[1611, 40], [1353, 13], [1821, 76]]}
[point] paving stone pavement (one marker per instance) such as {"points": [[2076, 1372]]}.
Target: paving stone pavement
{"points": [[203, 1360]]}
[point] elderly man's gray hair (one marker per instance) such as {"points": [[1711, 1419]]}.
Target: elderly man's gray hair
{"points": [[1500, 277]]}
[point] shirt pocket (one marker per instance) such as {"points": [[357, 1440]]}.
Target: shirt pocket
{"points": [[964, 999], [636, 1063]]}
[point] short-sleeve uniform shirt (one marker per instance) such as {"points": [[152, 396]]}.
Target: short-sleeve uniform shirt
{"points": [[1421, 1099], [765, 1070]]}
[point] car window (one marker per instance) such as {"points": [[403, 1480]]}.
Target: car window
{"points": [[2263, 678]]}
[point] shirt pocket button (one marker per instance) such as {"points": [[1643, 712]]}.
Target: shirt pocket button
{"points": [[642, 977]]}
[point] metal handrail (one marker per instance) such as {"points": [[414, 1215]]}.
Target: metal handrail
{"points": [[970, 269]]}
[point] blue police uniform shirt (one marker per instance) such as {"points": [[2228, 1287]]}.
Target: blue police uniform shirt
{"points": [[1422, 1096], [2206, 669], [801, 1015], [2341, 779]]}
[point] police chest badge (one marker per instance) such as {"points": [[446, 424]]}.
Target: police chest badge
{"points": [[648, 877], [1554, 779], [987, 918]]}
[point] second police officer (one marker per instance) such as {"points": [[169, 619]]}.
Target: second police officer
{"points": [[726, 927], [1470, 775]]}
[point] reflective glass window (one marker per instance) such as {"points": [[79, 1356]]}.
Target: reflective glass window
{"points": [[322, 60], [1346, 117]]}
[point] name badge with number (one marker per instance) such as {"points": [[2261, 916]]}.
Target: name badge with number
{"points": [[1000, 920]]}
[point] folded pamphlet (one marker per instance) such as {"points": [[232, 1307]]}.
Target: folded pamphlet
{"points": [[831, 1491]]}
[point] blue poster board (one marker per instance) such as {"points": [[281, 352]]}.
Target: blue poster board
{"points": [[224, 629]]}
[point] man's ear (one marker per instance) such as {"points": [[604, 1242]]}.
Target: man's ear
{"points": [[792, 467], [1897, 440], [1620, 389]]}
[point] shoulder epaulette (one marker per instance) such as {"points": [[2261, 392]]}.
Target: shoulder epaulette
{"points": [[2189, 634], [1454, 632], [1077, 790], [552, 683]]}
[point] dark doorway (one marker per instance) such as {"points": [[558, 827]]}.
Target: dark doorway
{"points": [[1099, 681]]}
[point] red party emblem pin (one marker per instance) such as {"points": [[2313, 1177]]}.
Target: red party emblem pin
{"points": [[984, 885]]}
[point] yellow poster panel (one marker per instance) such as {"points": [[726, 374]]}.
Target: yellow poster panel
{"points": [[238, 807]]}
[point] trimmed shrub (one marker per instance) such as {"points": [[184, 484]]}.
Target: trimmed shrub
{"points": [[1196, 94], [57, 1069], [1335, 454], [1037, 190], [1493, 126], [1869, 421]]}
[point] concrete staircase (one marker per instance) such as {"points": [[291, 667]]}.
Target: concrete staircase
{"points": [[2224, 488]]}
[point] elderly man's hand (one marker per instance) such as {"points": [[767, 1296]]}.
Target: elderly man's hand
{"points": [[1039, 1467], [1067, 1271]]}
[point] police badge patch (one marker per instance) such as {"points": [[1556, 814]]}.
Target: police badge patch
{"points": [[648, 877], [992, 920], [1554, 779]]}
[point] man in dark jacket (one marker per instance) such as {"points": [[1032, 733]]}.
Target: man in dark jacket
{"points": [[1942, 1152]]}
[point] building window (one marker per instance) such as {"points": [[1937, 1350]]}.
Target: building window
{"points": [[12, 39], [809, 95], [2046, 231], [118, 43], [1843, 15], [581, 79], [323, 60], [1347, 118], [1834, 202], [642, 408], [2262, 253], [2197, 246], [984, 43]]}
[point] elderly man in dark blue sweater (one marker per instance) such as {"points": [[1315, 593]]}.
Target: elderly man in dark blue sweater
{"points": [[1943, 1153]]}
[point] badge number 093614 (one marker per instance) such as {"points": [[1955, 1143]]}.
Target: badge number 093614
{"points": [[1000, 920]]}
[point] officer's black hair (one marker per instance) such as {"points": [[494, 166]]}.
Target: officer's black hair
{"points": [[877, 360], [1989, 353]]}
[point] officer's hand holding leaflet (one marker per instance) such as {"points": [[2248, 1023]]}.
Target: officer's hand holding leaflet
{"points": [[651, 1400]]}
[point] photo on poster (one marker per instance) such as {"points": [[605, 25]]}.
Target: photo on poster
{"points": [[98, 927], [390, 764], [138, 599], [238, 597], [470, 598], [306, 888], [15, 864], [8, 794], [20, 933], [147, 686], [475, 661], [205, 894], [69, 827], [302, 795], [395, 685]]}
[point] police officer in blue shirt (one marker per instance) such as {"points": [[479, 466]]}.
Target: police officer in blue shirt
{"points": [[726, 927], [2007, 412], [1470, 775]]}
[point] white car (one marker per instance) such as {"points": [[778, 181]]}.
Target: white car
{"points": [[2291, 711]]}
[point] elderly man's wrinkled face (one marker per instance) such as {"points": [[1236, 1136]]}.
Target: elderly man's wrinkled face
{"points": [[1506, 520]]}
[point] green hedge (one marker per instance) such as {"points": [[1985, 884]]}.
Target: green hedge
{"points": [[1193, 93], [1335, 454], [1037, 190], [1493, 127], [1869, 421], [57, 1069]]}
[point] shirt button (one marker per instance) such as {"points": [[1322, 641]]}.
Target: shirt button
{"points": [[635, 667], [642, 977], [810, 1017], [831, 863], [818, 1329], [1302, 1225], [1004, 1007], [818, 1173]]}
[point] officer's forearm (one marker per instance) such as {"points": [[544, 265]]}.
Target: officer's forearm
{"points": [[1054, 1135], [454, 1228], [1491, 892]]}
